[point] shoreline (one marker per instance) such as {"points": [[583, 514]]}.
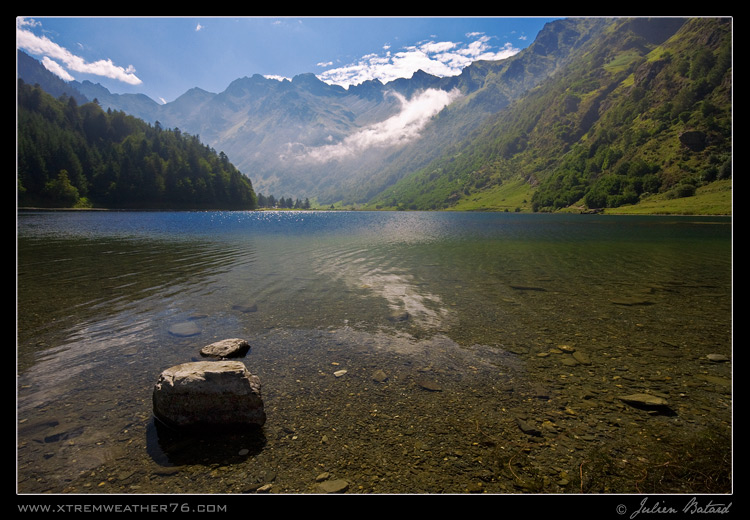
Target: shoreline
{"points": [[585, 213]]}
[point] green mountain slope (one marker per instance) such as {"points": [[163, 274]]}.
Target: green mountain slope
{"points": [[642, 110]]}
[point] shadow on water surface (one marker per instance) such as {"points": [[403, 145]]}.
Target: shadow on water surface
{"points": [[207, 446]]}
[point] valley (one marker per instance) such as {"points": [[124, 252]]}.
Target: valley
{"points": [[596, 113]]}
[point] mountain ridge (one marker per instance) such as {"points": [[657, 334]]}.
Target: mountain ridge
{"points": [[304, 137], [290, 113]]}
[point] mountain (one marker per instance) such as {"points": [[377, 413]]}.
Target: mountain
{"points": [[306, 138], [138, 105], [34, 73], [563, 121], [643, 109]]}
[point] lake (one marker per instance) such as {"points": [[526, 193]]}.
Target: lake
{"points": [[504, 345]]}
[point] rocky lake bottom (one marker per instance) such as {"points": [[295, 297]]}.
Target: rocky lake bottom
{"points": [[376, 412], [544, 378]]}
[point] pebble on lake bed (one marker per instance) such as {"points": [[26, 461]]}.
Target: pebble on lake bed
{"points": [[644, 400], [429, 384]]}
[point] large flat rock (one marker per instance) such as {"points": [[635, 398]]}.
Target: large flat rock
{"points": [[206, 393]]}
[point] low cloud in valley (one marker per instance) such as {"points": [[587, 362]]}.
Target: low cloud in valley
{"points": [[401, 128]]}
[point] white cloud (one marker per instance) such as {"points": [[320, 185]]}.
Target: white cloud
{"points": [[439, 58], [276, 77], [56, 69], [198, 27], [415, 113], [434, 57], [64, 60], [24, 22]]}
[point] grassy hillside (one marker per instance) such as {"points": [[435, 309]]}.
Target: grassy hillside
{"points": [[714, 198], [643, 113], [511, 196]]}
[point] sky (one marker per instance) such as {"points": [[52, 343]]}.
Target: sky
{"points": [[164, 57]]}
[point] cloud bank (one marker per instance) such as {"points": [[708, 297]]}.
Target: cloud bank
{"points": [[437, 58], [401, 128], [440, 59], [62, 62]]}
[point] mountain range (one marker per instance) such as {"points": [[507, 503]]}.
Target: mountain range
{"points": [[596, 112]]}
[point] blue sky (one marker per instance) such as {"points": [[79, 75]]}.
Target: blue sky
{"points": [[163, 57]]}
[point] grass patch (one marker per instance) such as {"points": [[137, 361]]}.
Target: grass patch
{"points": [[511, 196], [622, 61], [712, 199]]}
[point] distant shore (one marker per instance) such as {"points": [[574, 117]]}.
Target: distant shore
{"points": [[606, 212]]}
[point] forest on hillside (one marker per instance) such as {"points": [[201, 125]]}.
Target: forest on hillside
{"points": [[80, 156], [664, 123]]}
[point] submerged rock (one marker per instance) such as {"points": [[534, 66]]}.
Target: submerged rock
{"points": [[379, 376], [569, 361], [528, 288], [185, 329], [399, 316], [646, 400], [429, 384], [720, 381], [333, 486], [206, 393], [581, 358], [226, 348], [245, 308], [631, 301], [528, 428], [540, 392]]}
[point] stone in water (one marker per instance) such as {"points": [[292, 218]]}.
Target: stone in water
{"points": [[206, 393], [226, 348]]}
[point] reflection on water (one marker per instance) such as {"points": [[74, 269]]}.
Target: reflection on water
{"points": [[478, 304], [379, 276]]}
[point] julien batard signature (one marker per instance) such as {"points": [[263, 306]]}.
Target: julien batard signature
{"points": [[693, 506]]}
